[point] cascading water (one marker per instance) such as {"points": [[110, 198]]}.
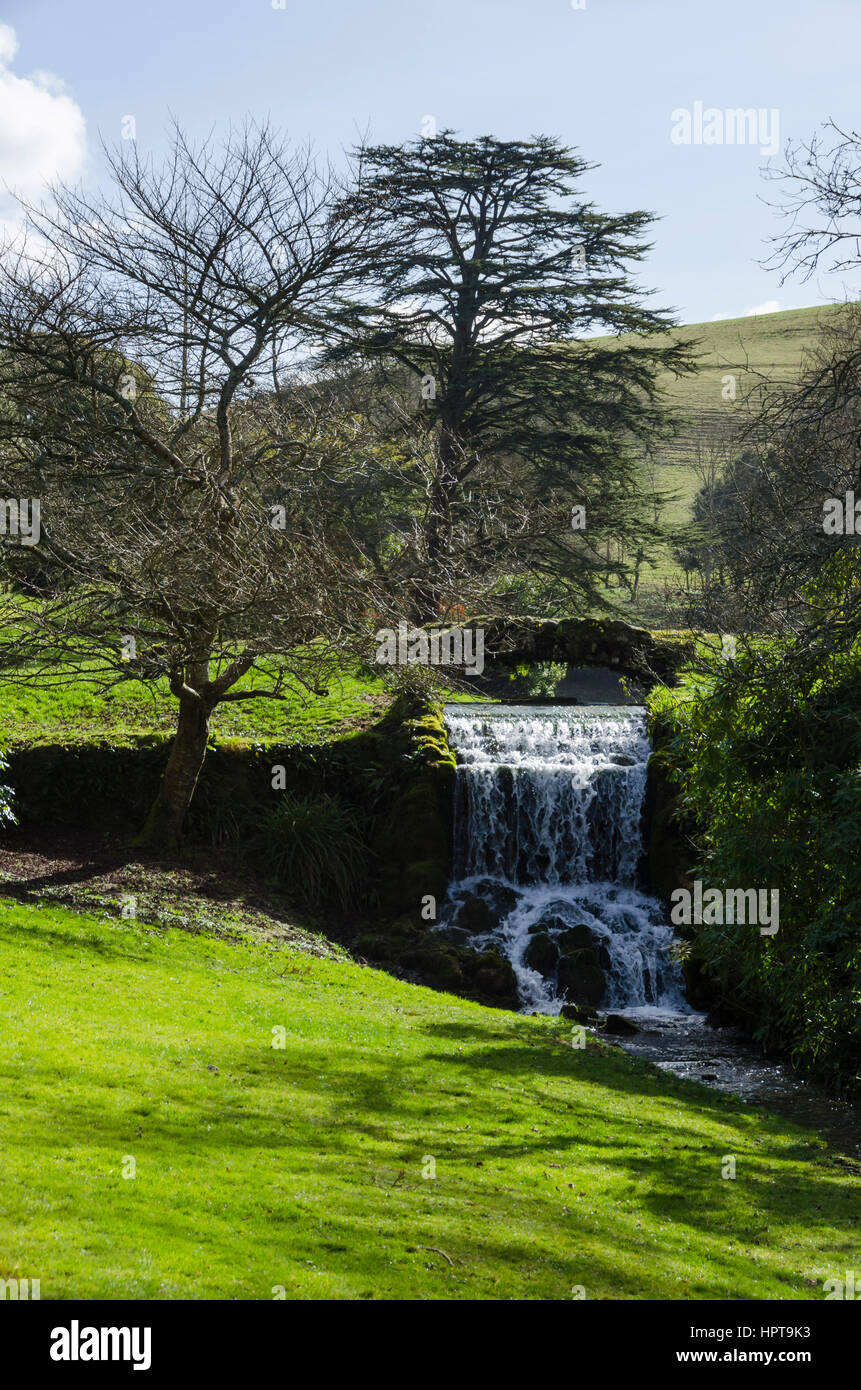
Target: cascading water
{"points": [[548, 836]]}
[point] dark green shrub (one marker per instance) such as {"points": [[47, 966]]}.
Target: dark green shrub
{"points": [[768, 759], [315, 846]]}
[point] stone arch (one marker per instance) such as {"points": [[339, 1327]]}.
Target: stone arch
{"points": [[643, 658]]}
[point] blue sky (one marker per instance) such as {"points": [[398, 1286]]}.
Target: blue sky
{"points": [[605, 78]]}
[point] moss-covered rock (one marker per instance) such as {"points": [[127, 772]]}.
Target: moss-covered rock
{"points": [[476, 915], [500, 898], [455, 936], [413, 842], [542, 955], [579, 1013], [580, 979], [619, 1025], [576, 938], [432, 959], [436, 964], [405, 927], [493, 980]]}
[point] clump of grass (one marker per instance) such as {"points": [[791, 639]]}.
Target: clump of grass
{"points": [[315, 846]]}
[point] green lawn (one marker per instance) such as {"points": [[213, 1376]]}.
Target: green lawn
{"points": [[302, 1166], [81, 712]]}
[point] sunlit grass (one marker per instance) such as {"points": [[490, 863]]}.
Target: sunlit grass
{"points": [[41, 712], [302, 1167]]}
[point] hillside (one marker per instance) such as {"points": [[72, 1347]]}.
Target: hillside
{"points": [[163, 1140], [752, 350], [759, 346]]}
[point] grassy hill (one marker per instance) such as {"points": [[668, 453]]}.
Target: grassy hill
{"points": [[752, 350], [769, 346], [400, 1144]]}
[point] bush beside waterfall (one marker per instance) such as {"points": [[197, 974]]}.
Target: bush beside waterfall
{"points": [[768, 760]]}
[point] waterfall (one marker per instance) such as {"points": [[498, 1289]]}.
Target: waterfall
{"points": [[548, 837]]}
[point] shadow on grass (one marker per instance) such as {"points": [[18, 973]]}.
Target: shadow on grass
{"points": [[671, 1161], [27, 889], [638, 1074], [58, 939], [353, 1206], [195, 881]]}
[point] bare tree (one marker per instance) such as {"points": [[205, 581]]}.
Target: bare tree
{"points": [[186, 519], [820, 201]]}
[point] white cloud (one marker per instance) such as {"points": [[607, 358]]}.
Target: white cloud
{"points": [[42, 128], [8, 44], [771, 306]]}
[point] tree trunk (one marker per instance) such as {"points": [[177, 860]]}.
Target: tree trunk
{"points": [[163, 826], [427, 596]]}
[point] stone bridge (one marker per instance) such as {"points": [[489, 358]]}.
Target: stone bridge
{"points": [[642, 657]]}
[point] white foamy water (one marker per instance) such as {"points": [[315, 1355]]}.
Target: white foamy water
{"points": [[548, 831]]}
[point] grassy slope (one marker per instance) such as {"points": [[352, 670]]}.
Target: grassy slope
{"points": [[302, 1167], [769, 346], [765, 345]]}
